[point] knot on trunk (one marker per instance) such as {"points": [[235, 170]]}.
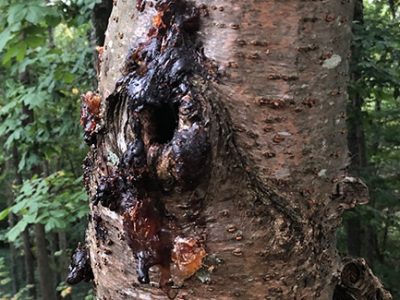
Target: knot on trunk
{"points": [[357, 282], [349, 192]]}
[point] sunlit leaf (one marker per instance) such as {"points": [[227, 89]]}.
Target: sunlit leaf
{"points": [[4, 213]]}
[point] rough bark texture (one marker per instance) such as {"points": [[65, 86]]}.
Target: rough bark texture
{"points": [[268, 83]]}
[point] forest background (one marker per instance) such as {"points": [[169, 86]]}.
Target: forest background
{"points": [[48, 58]]}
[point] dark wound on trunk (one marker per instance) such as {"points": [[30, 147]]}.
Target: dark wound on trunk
{"points": [[168, 147], [79, 268]]}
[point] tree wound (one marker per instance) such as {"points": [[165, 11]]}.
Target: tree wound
{"points": [[169, 149], [80, 268]]}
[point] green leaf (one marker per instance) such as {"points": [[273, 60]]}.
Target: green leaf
{"points": [[33, 99], [14, 232], [16, 13], [20, 55], [34, 14], [17, 50], [4, 213], [16, 208], [5, 36], [34, 41]]}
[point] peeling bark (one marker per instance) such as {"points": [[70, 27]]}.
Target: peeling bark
{"points": [[218, 154]]}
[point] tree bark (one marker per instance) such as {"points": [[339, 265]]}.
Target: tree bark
{"points": [[218, 153]]}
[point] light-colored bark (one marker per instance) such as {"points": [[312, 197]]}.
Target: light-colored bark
{"points": [[267, 208]]}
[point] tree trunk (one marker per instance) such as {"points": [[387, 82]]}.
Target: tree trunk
{"points": [[55, 262], [28, 262], [13, 258], [47, 287], [218, 153], [62, 245], [28, 255], [13, 251], [356, 141]]}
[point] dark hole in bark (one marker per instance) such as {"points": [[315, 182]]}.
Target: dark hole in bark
{"points": [[351, 274], [165, 122]]}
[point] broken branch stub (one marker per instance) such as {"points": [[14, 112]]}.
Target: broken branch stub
{"points": [[349, 192], [358, 282]]}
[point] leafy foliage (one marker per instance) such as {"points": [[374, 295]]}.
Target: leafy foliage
{"points": [[55, 201], [4, 279]]}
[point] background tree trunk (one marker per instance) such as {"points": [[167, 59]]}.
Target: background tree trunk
{"points": [[356, 141], [28, 255], [13, 256], [272, 191], [46, 275], [29, 264]]}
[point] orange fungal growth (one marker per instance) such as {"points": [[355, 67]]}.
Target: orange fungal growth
{"points": [[100, 51], [187, 256], [90, 110], [93, 102], [158, 21]]}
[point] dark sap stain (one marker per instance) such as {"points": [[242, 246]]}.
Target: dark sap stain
{"points": [[79, 268], [87, 169], [170, 148], [148, 236], [101, 232], [108, 191], [140, 5]]}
